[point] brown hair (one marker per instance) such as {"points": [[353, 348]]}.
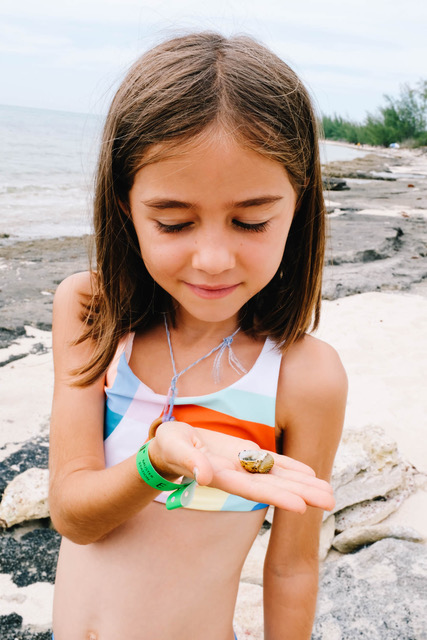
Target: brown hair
{"points": [[171, 94]]}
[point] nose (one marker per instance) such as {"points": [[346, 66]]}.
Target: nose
{"points": [[213, 254]]}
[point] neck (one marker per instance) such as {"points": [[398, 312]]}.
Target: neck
{"points": [[188, 329]]}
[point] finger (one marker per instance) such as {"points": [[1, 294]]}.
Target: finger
{"points": [[289, 495], [242, 485], [289, 463], [302, 477], [270, 488]]}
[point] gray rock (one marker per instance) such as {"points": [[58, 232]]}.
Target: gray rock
{"points": [[11, 629], [374, 253], [378, 593], [356, 537], [367, 465], [335, 184], [33, 453], [30, 558], [371, 512]]}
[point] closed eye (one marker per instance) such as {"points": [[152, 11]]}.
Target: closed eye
{"points": [[255, 226], [172, 228]]}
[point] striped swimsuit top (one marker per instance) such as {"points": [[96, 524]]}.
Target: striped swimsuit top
{"points": [[246, 409]]}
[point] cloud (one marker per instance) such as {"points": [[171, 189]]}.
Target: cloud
{"points": [[353, 51], [24, 41]]}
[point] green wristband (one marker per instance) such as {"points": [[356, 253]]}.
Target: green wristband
{"points": [[150, 475]]}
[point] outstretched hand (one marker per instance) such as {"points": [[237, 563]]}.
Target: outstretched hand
{"points": [[212, 459]]}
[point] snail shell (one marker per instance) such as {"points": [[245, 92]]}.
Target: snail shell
{"points": [[256, 461]]}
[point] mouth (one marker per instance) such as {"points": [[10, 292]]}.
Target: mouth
{"points": [[211, 292]]}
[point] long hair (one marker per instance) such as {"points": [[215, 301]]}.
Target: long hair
{"points": [[173, 93]]}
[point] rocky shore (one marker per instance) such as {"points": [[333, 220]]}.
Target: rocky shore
{"points": [[374, 560]]}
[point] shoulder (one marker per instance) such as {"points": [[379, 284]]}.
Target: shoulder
{"points": [[313, 369], [311, 401], [74, 288], [71, 296], [68, 319]]}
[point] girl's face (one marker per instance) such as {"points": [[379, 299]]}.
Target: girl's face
{"points": [[212, 219]]}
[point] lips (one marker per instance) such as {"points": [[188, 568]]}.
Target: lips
{"points": [[211, 292]]}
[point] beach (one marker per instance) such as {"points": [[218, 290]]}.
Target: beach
{"points": [[374, 314]]}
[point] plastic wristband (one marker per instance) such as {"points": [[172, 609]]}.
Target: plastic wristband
{"points": [[150, 475]]}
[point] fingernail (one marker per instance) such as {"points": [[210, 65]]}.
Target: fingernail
{"points": [[195, 473]]}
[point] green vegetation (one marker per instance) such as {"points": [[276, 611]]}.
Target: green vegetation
{"points": [[402, 119]]}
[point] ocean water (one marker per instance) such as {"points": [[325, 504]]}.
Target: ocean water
{"points": [[47, 162]]}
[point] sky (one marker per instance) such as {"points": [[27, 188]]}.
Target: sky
{"points": [[70, 54]]}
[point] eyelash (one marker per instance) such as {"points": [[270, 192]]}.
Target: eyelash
{"points": [[244, 226]]}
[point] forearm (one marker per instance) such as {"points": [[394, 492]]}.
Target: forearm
{"points": [[290, 604], [88, 503]]}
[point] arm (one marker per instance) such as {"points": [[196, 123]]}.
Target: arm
{"points": [[313, 386], [87, 501]]}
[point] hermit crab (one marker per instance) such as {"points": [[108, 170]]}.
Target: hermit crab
{"points": [[256, 461]]}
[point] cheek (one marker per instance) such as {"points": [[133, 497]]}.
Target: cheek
{"points": [[160, 261]]}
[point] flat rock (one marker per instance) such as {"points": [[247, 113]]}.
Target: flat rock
{"points": [[390, 253], [367, 465], [378, 593], [370, 512], [356, 537]]}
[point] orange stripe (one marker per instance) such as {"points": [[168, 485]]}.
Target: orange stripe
{"points": [[204, 418]]}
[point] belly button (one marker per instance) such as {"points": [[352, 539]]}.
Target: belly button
{"points": [[92, 635]]}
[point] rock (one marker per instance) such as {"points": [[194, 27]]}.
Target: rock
{"points": [[32, 453], [30, 558], [25, 498], [327, 534], [367, 466], [378, 593], [9, 334], [370, 512], [356, 537], [11, 628], [335, 184], [389, 254]]}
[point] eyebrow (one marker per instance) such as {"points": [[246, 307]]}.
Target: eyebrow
{"points": [[167, 203]]}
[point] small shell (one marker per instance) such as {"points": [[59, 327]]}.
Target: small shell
{"points": [[256, 461]]}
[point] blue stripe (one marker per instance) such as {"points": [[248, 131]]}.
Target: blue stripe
{"points": [[111, 420], [243, 405], [120, 396], [237, 503]]}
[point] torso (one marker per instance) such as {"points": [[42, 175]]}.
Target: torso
{"points": [[122, 586]]}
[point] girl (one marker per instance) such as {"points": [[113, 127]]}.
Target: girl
{"points": [[209, 227]]}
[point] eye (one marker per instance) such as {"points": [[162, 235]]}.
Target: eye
{"points": [[256, 226], [172, 228]]}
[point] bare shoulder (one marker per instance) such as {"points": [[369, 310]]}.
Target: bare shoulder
{"points": [[312, 368], [311, 402], [67, 320], [73, 289]]}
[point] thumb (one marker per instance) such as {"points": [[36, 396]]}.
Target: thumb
{"points": [[201, 468]]}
